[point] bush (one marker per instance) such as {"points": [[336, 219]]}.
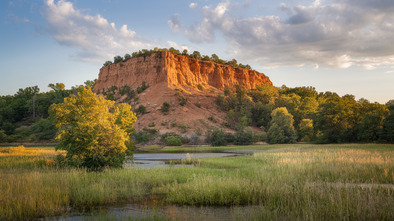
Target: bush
{"points": [[165, 108], [142, 137], [182, 101], [143, 87], [244, 137], [173, 141], [169, 134], [45, 129], [141, 109], [217, 138], [125, 89]]}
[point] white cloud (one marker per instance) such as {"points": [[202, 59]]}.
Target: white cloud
{"points": [[193, 5], [175, 23], [95, 38], [177, 46], [339, 33]]}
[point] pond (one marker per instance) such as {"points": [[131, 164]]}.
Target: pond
{"points": [[172, 212], [149, 160]]}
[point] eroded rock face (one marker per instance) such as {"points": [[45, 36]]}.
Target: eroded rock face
{"points": [[176, 71]]}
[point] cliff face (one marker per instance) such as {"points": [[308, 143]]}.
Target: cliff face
{"points": [[177, 71]]}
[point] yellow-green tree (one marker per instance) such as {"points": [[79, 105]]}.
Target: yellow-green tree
{"points": [[92, 130]]}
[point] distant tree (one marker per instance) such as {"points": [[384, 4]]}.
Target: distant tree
{"points": [[118, 59], [127, 57], [90, 83], [92, 130], [196, 54], [306, 130], [107, 63], [185, 52], [217, 138], [281, 127], [214, 58], [388, 127]]}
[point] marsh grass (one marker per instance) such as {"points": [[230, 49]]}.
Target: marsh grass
{"points": [[297, 182]]}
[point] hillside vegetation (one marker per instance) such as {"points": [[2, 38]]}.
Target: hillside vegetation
{"points": [[266, 113]]}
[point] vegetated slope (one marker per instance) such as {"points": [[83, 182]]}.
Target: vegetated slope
{"points": [[190, 87]]}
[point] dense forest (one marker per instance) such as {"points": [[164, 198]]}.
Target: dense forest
{"points": [[284, 115], [303, 114], [24, 115]]}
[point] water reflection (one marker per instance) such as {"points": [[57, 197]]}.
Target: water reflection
{"points": [[136, 212], [149, 160]]}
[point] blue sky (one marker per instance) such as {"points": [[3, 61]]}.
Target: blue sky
{"points": [[343, 46]]}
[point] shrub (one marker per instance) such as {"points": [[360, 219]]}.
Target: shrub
{"points": [[182, 101], [125, 89], [141, 109], [143, 87], [217, 138], [173, 141], [45, 129], [244, 137], [142, 137], [165, 108]]}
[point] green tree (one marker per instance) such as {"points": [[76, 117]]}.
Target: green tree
{"points": [[107, 63], [127, 57], [306, 130], [92, 130], [118, 59], [196, 54], [281, 127], [388, 127]]}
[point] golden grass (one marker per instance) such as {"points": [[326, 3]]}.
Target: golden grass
{"points": [[299, 182]]}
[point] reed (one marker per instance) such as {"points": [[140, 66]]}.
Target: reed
{"points": [[297, 182]]}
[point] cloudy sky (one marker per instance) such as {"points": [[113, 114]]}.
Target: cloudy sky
{"points": [[343, 46]]}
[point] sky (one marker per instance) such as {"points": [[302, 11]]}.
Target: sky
{"points": [[342, 46]]}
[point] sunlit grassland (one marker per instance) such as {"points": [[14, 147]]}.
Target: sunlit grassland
{"points": [[306, 182]]}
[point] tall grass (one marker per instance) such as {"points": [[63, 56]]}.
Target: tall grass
{"points": [[306, 182]]}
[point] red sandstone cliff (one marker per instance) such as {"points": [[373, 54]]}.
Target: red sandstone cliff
{"points": [[177, 71], [171, 77]]}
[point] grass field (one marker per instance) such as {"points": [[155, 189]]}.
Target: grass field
{"points": [[297, 182]]}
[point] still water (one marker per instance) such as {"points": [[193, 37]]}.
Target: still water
{"points": [[173, 212], [149, 160]]}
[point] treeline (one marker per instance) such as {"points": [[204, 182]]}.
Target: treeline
{"points": [[24, 115], [195, 55], [288, 115]]}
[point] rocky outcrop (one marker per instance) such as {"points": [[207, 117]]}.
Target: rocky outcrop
{"points": [[177, 71]]}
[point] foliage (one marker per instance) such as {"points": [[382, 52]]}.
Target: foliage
{"points": [[281, 128], [93, 130], [173, 141], [141, 109], [217, 138], [142, 88], [306, 130], [142, 137], [45, 129], [165, 108], [245, 136], [182, 101], [196, 55]]}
